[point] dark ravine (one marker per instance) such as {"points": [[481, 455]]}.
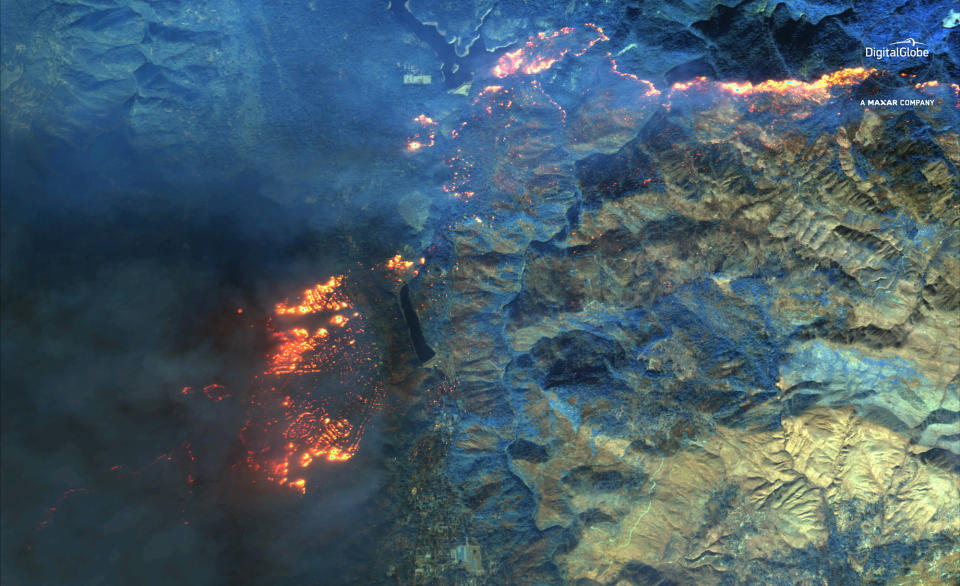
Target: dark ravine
{"points": [[424, 351]]}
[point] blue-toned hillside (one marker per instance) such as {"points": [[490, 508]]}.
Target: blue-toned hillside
{"points": [[492, 292]]}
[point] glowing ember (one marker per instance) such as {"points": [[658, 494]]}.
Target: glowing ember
{"points": [[399, 268], [934, 84], [544, 50], [682, 86], [397, 263], [298, 351], [322, 297], [651, 89], [306, 434], [293, 345], [321, 387], [425, 138], [460, 169], [51, 510], [509, 63], [815, 90], [212, 392]]}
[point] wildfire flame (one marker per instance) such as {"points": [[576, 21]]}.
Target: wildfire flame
{"points": [[542, 51], [324, 296], [400, 268], [426, 137], [933, 84], [287, 432], [813, 89], [816, 89]]}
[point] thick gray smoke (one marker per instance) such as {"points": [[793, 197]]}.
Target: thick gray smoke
{"points": [[164, 166]]}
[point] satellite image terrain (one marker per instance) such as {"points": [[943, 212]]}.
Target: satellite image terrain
{"points": [[488, 292]]}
